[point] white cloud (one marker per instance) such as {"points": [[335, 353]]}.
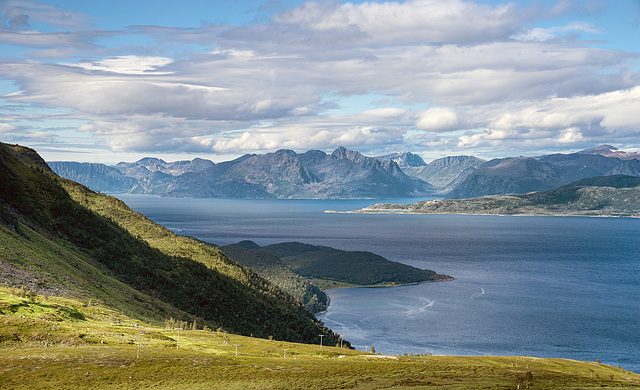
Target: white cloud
{"points": [[553, 33], [592, 118], [414, 20], [157, 133], [372, 128], [368, 129], [438, 119], [614, 111], [6, 127], [570, 136], [128, 65]]}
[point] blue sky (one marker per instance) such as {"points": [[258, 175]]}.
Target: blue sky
{"points": [[111, 81]]}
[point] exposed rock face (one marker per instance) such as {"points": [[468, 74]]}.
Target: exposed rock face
{"points": [[314, 174], [97, 176], [404, 159], [576, 166], [442, 172], [504, 176], [525, 174], [628, 167], [146, 176], [144, 167]]}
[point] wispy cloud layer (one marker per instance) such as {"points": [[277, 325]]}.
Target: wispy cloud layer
{"points": [[460, 76]]}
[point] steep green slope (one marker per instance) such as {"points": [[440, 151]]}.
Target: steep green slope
{"points": [[95, 246], [616, 195]]}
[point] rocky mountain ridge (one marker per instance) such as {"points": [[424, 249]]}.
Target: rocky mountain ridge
{"points": [[283, 174], [346, 173]]}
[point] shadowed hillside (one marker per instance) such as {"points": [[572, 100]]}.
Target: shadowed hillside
{"points": [[61, 238]]}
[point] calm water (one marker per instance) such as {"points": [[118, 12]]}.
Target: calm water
{"points": [[538, 286]]}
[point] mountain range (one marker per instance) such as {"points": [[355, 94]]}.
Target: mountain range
{"points": [[347, 173]]}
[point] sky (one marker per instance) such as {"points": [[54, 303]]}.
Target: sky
{"points": [[98, 81]]}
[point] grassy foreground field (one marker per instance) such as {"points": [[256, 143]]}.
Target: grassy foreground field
{"points": [[55, 343]]}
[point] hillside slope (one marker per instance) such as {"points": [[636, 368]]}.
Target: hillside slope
{"points": [[63, 238]]}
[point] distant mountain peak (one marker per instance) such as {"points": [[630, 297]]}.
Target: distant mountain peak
{"points": [[343, 153], [404, 159], [247, 244], [151, 160], [602, 149], [611, 151], [288, 152]]}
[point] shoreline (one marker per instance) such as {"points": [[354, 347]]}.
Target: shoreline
{"points": [[406, 212], [448, 279]]}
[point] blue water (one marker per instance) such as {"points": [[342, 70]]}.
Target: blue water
{"points": [[564, 287]]}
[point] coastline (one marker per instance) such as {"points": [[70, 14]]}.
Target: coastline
{"points": [[447, 279], [407, 212]]}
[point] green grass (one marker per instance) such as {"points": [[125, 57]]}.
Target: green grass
{"points": [[49, 342]]}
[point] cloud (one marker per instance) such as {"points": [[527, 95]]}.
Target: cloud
{"points": [[612, 111], [128, 64], [142, 133], [594, 118], [96, 92], [557, 33], [16, 15], [438, 119], [156, 133], [58, 40], [426, 21], [264, 86], [7, 128]]}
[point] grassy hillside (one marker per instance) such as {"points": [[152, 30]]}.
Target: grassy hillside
{"points": [[61, 238], [48, 342], [616, 195]]}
